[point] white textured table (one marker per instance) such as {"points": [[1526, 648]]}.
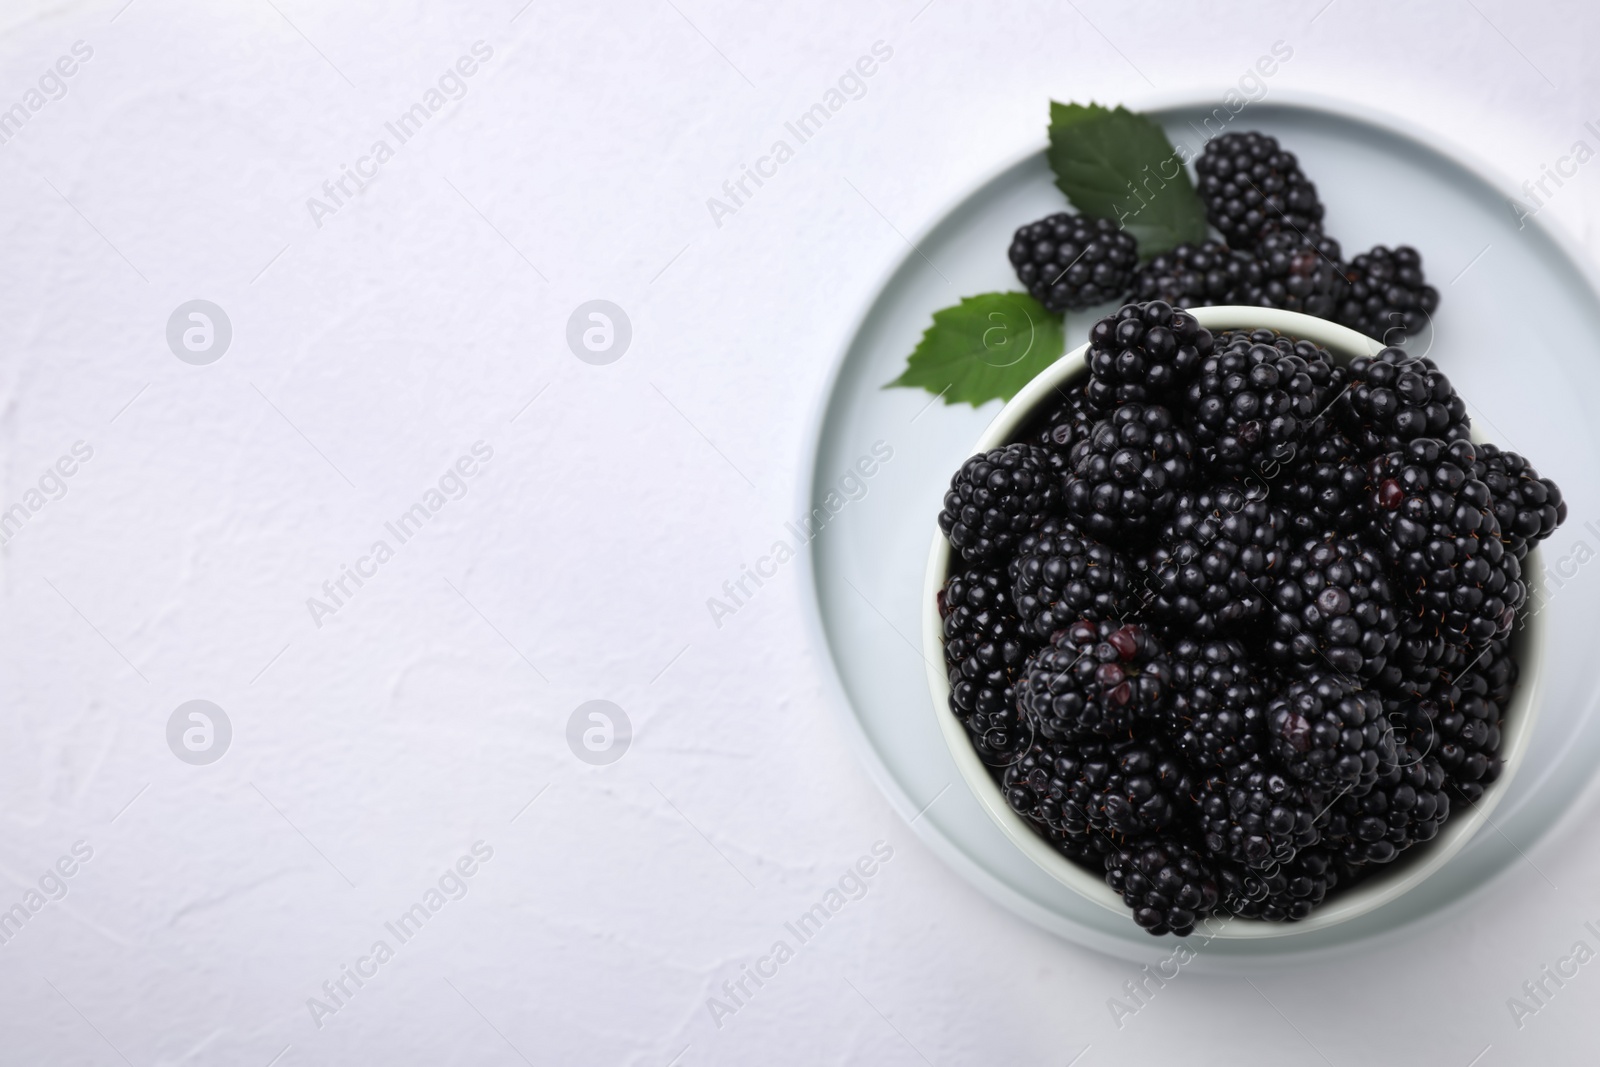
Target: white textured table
{"points": [[404, 853]]}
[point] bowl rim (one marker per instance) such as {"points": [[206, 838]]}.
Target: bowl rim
{"points": [[1379, 889]]}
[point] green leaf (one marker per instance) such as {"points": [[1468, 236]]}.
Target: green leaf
{"points": [[986, 347], [1120, 166]]}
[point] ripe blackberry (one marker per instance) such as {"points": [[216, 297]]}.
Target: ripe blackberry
{"points": [[1214, 559], [1250, 185], [1069, 262], [1327, 732], [1255, 815], [1284, 892], [1528, 507], [1140, 788], [1438, 530], [1216, 717], [1196, 275], [1143, 352], [1038, 784], [1407, 805], [1169, 884], [997, 497], [1254, 398], [1394, 398], [1095, 678], [1325, 486], [984, 652], [1060, 576], [1385, 295], [1298, 273], [1069, 421], [1332, 608], [1126, 475], [1457, 721]]}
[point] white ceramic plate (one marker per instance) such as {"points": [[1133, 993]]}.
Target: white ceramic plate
{"points": [[1515, 331]]}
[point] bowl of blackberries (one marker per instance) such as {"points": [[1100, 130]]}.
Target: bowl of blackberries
{"points": [[1232, 619]]}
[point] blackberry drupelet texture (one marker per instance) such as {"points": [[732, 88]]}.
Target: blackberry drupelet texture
{"points": [[1332, 609], [1394, 398], [1528, 507], [1216, 716], [984, 654], [1325, 486], [1251, 186], [1070, 419], [1407, 805], [1284, 892], [997, 497], [1068, 262], [1385, 295], [1143, 352], [1060, 576], [1126, 475], [1330, 734], [1197, 275], [1095, 678], [1255, 398], [1212, 563], [1297, 273], [1255, 815], [1167, 883]]}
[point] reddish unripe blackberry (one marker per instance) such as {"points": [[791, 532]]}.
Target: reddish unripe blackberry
{"points": [[1285, 892], [1528, 507], [1067, 262], [1143, 352], [1126, 476], [1251, 186], [997, 497], [1168, 884], [1394, 398], [984, 653], [1298, 272], [1328, 733], [1385, 295], [1216, 716], [1213, 561], [1254, 398], [1060, 576], [1095, 678], [1197, 275], [1332, 609], [1255, 815]]}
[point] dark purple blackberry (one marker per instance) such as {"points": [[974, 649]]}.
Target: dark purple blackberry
{"points": [[1457, 720], [1095, 678], [1407, 805], [1143, 352], [1281, 893], [1213, 561], [1325, 486], [1437, 528], [1167, 883], [1328, 733], [1038, 786], [1068, 262], [1196, 275], [1067, 422], [1254, 398], [984, 653], [1332, 609], [1255, 815], [1251, 186], [1126, 475], [1060, 576], [1394, 398], [997, 497], [1140, 787], [1298, 273], [1528, 507], [1385, 296], [1216, 716]]}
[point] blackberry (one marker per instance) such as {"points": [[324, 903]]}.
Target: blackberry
{"points": [[1214, 559], [1256, 815], [1064, 425], [1528, 507], [1038, 785], [1282, 893], [1140, 788], [1250, 186], [1143, 352], [997, 497], [1254, 398], [1216, 715], [1067, 262], [1327, 732], [1060, 576], [1127, 473], [1394, 398], [1196, 275], [1438, 529], [1095, 678], [1406, 806], [984, 652], [1385, 296], [1325, 486], [1332, 608], [1167, 883], [1457, 721], [1298, 273]]}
